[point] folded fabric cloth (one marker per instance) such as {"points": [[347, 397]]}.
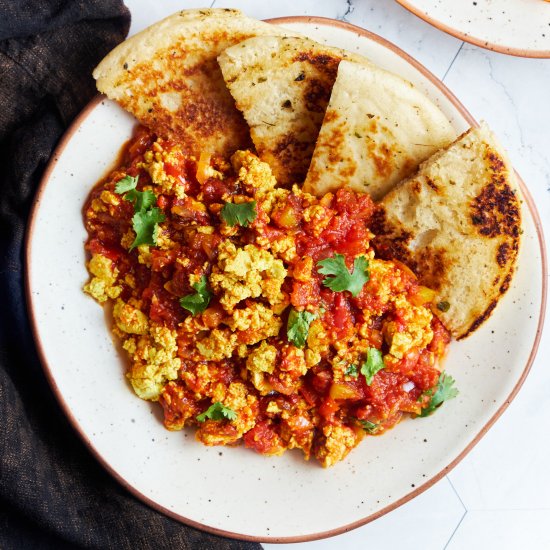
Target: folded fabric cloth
{"points": [[53, 493]]}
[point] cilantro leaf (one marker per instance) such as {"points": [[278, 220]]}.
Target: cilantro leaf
{"points": [[369, 427], [146, 218], [126, 184], [217, 411], [145, 225], [297, 327], [143, 200], [197, 302], [372, 365], [352, 371], [340, 278], [443, 392], [241, 214]]}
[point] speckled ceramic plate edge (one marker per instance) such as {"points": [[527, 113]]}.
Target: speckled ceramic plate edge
{"points": [[348, 527], [462, 35]]}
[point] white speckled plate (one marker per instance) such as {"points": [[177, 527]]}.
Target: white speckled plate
{"points": [[515, 27], [233, 491]]}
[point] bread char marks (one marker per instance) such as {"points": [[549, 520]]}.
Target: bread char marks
{"points": [[457, 224], [316, 92], [377, 129], [492, 212], [294, 149], [168, 77], [211, 113], [283, 86], [382, 154], [495, 212]]}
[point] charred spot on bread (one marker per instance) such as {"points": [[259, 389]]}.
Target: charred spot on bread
{"points": [[479, 320], [465, 249], [495, 211]]}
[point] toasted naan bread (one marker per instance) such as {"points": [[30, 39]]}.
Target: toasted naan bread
{"points": [[167, 76], [283, 86], [457, 224], [377, 129]]}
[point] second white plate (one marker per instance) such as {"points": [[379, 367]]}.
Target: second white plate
{"points": [[515, 27]]}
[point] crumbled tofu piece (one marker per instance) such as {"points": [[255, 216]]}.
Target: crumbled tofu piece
{"points": [[318, 217], [257, 321], [247, 272], [380, 282], [294, 361], [258, 380], [98, 206], [110, 198], [164, 242], [312, 358], [339, 441], [262, 359], [253, 173], [144, 254], [317, 339], [127, 239], [244, 405], [273, 408], [129, 319], [417, 333], [102, 285], [284, 248], [154, 161], [218, 345], [154, 361]]}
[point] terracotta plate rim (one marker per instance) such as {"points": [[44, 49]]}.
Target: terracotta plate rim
{"points": [[499, 48]]}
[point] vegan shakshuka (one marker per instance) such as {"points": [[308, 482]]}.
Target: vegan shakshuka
{"points": [[258, 314]]}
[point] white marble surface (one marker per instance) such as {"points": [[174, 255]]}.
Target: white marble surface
{"points": [[498, 497]]}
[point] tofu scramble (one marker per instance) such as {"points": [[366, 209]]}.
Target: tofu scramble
{"points": [[253, 313]]}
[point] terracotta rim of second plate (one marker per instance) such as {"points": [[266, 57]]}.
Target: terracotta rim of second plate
{"points": [[518, 52], [324, 534]]}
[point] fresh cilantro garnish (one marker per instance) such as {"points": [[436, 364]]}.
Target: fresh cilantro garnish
{"points": [[352, 371], [146, 226], [143, 200], [241, 214], [340, 278], [197, 302], [369, 427], [443, 392], [217, 411], [126, 184], [372, 365], [146, 218], [297, 327]]}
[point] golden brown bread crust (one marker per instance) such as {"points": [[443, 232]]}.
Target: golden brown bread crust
{"points": [[457, 224], [283, 86], [377, 129], [167, 76]]}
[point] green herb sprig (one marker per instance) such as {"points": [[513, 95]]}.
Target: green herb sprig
{"points": [[339, 277], [147, 217]]}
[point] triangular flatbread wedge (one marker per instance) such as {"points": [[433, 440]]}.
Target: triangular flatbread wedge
{"points": [[377, 129], [457, 224], [167, 76], [283, 86]]}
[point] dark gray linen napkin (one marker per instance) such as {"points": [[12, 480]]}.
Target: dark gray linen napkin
{"points": [[53, 493]]}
